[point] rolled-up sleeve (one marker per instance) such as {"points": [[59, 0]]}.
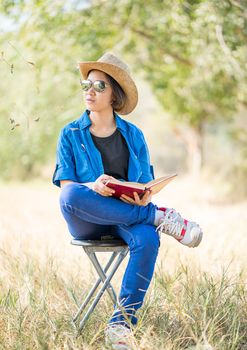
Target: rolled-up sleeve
{"points": [[65, 164]]}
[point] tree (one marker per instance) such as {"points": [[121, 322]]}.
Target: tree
{"points": [[193, 53]]}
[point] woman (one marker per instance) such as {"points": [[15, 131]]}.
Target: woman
{"points": [[98, 146]]}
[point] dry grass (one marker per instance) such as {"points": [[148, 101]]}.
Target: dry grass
{"points": [[197, 299]]}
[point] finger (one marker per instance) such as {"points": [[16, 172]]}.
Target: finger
{"points": [[108, 192], [144, 203], [146, 198], [137, 198], [124, 200], [99, 189], [105, 194], [104, 181], [106, 189], [130, 199], [148, 194]]}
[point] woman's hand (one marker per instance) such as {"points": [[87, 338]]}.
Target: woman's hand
{"points": [[100, 187], [138, 201]]}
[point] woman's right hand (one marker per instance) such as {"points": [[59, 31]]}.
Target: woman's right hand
{"points": [[100, 187]]}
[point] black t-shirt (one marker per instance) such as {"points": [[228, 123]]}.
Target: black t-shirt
{"points": [[115, 154]]}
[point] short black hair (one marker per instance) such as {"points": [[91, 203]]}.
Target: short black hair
{"points": [[119, 96]]}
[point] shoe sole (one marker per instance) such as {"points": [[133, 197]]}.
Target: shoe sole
{"points": [[196, 240], [119, 347]]}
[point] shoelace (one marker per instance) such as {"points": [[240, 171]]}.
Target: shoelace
{"points": [[172, 223]]}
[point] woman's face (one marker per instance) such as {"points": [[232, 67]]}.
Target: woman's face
{"points": [[98, 101]]}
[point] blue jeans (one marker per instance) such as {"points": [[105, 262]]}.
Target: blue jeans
{"points": [[90, 216]]}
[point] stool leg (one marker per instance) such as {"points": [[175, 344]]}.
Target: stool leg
{"points": [[93, 289], [102, 275], [120, 258]]}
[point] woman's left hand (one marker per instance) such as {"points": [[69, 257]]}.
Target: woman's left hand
{"points": [[138, 201]]}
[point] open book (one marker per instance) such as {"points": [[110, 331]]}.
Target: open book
{"points": [[128, 188]]}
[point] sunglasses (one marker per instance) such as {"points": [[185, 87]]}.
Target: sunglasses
{"points": [[98, 85]]}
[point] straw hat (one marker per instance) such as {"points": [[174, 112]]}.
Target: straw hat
{"points": [[118, 70]]}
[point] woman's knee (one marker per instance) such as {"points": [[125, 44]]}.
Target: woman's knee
{"points": [[70, 193], [147, 240]]}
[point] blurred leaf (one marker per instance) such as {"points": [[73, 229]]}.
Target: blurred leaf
{"points": [[192, 53]]}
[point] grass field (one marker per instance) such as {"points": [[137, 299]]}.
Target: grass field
{"points": [[197, 299]]}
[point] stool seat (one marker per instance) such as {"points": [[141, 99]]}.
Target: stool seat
{"points": [[97, 243]]}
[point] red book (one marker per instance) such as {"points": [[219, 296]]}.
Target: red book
{"points": [[128, 188]]}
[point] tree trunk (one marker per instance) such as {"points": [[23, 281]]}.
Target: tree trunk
{"points": [[195, 152], [193, 140]]}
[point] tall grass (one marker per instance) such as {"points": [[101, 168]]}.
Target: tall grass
{"points": [[186, 309], [197, 299]]}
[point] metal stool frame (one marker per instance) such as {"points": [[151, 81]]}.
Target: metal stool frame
{"points": [[119, 251]]}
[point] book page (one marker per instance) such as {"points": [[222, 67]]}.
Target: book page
{"points": [[157, 184]]}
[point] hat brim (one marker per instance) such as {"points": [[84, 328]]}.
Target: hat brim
{"points": [[121, 76]]}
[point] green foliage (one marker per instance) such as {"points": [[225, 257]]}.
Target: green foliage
{"points": [[33, 113], [189, 60], [193, 54]]}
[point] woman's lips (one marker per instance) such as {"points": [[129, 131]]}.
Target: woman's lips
{"points": [[90, 101]]}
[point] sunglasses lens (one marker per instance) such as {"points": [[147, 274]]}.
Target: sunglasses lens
{"points": [[99, 85], [85, 85]]}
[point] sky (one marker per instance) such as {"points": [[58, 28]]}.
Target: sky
{"points": [[8, 24]]}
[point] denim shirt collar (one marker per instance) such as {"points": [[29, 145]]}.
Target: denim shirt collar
{"points": [[84, 121]]}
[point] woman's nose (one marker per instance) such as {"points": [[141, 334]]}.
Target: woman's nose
{"points": [[90, 90]]}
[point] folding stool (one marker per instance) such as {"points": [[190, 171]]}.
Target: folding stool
{"points": [[119, 250]]}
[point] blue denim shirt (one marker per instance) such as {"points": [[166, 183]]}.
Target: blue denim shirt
{"points": [[79, 160]]}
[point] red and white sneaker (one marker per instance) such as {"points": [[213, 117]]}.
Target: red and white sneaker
{"points": [[186, 232], [119, 337]]}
